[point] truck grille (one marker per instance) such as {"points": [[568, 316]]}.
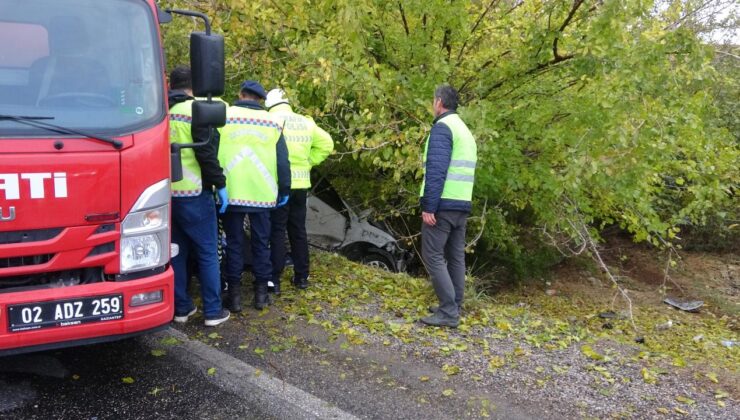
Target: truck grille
{"points": [[55, 279], [25, 261], [28, 236]]}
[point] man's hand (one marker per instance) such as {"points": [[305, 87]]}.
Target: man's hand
{"points": [[223, 200], [428, 218]]}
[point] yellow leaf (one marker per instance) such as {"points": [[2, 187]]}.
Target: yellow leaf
{"points": [[127, 380], [712, 377], [496, 362], [591, 353], [211, 371], [448, 392], [158, 352], [681, 411], [423, 378], [721, 403], [503, 326], [662, 410], [685, 400], [451, 369], [648, 377]]}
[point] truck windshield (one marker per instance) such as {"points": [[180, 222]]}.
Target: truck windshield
{"points": [[91, 65]]}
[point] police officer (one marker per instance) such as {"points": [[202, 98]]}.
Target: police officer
{"points": [[308, 146], [193, 207], [255, 160], [450, 158]]}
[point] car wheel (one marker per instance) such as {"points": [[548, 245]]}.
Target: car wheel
{"points": [[380, 259]]}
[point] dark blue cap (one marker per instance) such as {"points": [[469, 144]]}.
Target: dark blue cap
{"points": [[254, 87]]}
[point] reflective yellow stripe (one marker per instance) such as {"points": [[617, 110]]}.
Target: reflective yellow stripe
{"points": [[247, 152]]}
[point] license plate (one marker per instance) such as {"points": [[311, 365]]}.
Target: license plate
{"points": [[65, 313]]}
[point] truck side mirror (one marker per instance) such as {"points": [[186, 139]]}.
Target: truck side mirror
{"points": [[175, 163], [207, 64], [209, 114]]}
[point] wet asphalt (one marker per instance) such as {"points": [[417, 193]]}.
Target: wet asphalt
{"points": [[113, 380]]}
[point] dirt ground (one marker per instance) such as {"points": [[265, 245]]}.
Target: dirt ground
{"points": [[563, 347]]}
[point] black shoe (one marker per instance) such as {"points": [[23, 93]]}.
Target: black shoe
{"points": [[212, 321], [234, 298], [275, 288], [261, 296], [438, 320], [301, 283], [433, 309]]}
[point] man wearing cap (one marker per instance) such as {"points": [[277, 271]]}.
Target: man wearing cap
{"points": [[255, 160], [308, 146]]}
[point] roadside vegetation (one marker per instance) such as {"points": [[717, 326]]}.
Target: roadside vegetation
{"points": [[596, 122]]}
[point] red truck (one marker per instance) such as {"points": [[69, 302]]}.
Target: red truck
{"points": [[86, 167]]}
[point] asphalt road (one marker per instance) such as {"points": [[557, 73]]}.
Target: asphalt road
{"points": [[88, 383]]}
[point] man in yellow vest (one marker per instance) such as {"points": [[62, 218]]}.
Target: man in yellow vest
{"points": [[193, 208], [450, 157], [255, 160], [308, 146]]}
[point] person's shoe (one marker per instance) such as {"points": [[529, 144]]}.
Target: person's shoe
{"points": [[438, 320], [183, 318], [212, 321], [234, 298], [261, 296], [301, 283], [434, 308], [273, 287]]}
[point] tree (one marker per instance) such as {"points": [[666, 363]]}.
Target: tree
{"points": [[600, 112]]}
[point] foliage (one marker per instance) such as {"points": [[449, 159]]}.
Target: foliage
{"points": [[595, 111]]}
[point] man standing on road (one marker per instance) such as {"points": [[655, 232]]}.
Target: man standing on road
{"points": [[255, 160], [193, 208], [308, 146], [450, 158]]}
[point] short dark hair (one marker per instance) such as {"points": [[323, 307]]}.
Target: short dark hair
{"points": [[249, 95], [181, 78], [449, 97]]}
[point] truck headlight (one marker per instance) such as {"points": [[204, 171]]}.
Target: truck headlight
{"points": [[145, 239]]}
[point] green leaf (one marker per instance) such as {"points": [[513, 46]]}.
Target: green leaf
{"points": [[211, 371], [591, 353], [169, 341], [158, 352], [448, 392], [127, 380]]}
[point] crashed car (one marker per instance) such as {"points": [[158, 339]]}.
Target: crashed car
{"points": [[332, 225]]}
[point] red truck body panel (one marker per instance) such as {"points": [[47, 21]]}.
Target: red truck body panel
{"points": [[71, 208]]}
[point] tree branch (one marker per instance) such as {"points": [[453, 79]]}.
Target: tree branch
{"points": [[403, 18], [573, 10], [475, 27]]}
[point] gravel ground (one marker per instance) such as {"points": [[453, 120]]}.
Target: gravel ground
{"points": [[354, 350]]}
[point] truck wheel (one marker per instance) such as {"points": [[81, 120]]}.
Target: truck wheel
{"points": [[380, 259]]}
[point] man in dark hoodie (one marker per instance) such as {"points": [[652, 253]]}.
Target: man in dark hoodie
{"points": [[193, 207], [254, 155]]}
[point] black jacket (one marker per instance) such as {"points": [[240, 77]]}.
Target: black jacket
{"points": [[439, 156], [207, 155]]}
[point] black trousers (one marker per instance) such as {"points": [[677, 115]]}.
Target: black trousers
{"points": [[290, 217]]}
